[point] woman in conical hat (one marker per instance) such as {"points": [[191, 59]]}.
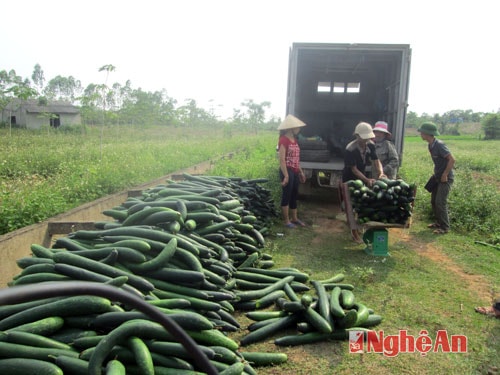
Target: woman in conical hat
{"points": [[290, 172]]}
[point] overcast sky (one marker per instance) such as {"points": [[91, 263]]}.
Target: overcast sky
{"points": [[222, 52]]}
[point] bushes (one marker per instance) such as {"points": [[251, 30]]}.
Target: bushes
{"points": [[491, 126], [474, 206], [475, 198], [18, 211]]}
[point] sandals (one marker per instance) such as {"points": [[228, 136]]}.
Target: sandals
{"points": [[299, 223], [437, 228], [440, 231], [295, 223]]}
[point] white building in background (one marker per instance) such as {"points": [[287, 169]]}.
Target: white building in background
{"points": [[31, 114]]}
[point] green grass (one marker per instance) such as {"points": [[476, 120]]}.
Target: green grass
{"points": [[410, 290], [45, 173], [427, 282], [474, 200]]}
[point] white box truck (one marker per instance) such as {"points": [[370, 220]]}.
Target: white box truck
{"points": [[334, 86]]}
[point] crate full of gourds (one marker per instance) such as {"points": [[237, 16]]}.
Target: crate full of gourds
{"points": [[387, 201]]}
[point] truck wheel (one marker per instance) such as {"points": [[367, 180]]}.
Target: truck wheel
{"points": [[321, 156]]}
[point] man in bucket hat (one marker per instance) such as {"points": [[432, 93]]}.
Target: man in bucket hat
{"points": [[443, 176], [357, 155], [290, 172], [386, 151]]}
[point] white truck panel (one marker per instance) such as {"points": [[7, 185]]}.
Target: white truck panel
{"points": [[334, 86]]}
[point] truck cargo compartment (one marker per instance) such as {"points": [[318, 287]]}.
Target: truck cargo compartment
{"points": [[332, 87]]}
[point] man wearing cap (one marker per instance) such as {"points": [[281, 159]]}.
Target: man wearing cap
{"points": [[290, 172], [386, 151], [357, 155], [443, 174]]}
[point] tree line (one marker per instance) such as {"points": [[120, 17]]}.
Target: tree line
{"points": [[124, 104], [449, 122]]}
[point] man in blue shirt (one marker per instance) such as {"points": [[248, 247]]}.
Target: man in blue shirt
{"points": [[443, 174]]}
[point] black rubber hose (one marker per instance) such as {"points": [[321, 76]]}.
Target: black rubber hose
{"points": [[25, 293]]}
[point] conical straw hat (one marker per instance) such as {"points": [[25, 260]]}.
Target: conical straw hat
{"points": [[291, 122]]}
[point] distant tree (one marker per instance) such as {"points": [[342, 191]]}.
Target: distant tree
{"points": [[238, 117], [141, 107], [92, 95], [411, 120], [63, 88], [255, 114], [476, 116], [191, 115], [13, 87], [425, 117], [273, 123], [467, 115], [117, 96], [91, 104], [491, 126], [108, 68], [104, 89], [212, 110], [441, 121], [38, 78], [167, 109]]}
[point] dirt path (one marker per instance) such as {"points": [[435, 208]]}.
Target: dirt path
{"points": [[328, 219], [476, 283]]}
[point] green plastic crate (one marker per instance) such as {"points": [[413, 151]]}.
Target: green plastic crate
{"points": [[377, 241]]}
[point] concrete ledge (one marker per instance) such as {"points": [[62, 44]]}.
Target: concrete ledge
{"points": [[17, 244]]}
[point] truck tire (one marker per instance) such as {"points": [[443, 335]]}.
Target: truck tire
{"points": [[312, 144], [321, 156]]}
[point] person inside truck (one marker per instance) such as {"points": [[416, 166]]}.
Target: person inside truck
{"points": [[290, 172], [386, 151], [359, 153]]}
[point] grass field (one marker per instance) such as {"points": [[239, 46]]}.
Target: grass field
{"points": [[45, 173], [427, 283]]}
